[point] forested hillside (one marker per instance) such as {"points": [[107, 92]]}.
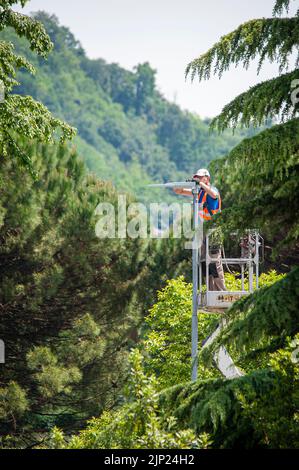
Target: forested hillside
{"points": [[127, 132]]}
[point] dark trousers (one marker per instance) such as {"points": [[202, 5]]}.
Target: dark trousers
{"points": [[216, 273]]}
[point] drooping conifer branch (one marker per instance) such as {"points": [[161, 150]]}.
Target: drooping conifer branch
{"points": [[260, 184], [275, 144], [268, 313], [268, 38], [267, 100], [280, 6]]}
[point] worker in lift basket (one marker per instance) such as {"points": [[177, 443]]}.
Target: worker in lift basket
{"points": [[209, 196]]}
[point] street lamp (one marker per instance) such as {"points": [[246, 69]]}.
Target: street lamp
{"points": [[196, 252]]}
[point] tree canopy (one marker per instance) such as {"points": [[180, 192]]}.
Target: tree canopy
{"points": [[87, 339], [22, 115]]}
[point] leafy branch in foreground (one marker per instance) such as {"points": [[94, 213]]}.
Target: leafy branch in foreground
{"points": [[21, 115], [28, 27]]}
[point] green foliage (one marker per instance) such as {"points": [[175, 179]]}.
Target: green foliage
{"points": [[265, 166], [54, 273], [167, 343], [52, 378], [13, 402], [255, 411], [276, 418], [26, 26], [136, 425], [145, 86], [82, 344], [272, 38], [167, 332], [56, 440], [234, 283], [236, 413], [22, 115], [217, 409], [71, 303], [264, 101], [8, 3], [280, 6]]}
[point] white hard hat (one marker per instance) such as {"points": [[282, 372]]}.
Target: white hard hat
{"points": [[202, 172]]}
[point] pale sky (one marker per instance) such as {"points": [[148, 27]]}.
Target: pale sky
{"points": [[168, 34]]}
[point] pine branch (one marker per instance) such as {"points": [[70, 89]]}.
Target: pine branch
{"points": [[14, 149], [272, 38], [207, 404], [278, 144], [267, 100], [281, 5]]}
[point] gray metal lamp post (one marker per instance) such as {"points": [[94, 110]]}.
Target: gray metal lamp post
{"points": [[197, 239], [196, 245]]}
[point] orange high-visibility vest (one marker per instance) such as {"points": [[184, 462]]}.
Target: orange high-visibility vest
{"points": [[205, 213]]}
